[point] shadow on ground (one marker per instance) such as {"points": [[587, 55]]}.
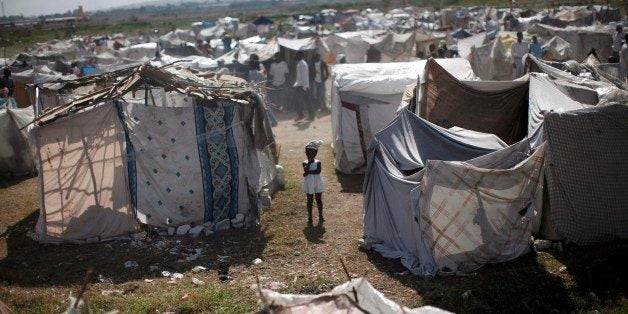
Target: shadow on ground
{"points": [[7, 182], [29, 263], [525, 284], [350, 183]]}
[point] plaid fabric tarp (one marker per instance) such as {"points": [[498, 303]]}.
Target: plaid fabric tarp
{"points": [[478, 212], [587, 173]]}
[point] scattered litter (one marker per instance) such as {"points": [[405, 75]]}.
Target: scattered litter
{"points": [[148, 280], [257, 261], [197, 269], [185, 297], [197, 282], [563, 269], [224, 258], [276, 285], [403, 273], [177, 276], [130, 264], [166, 273], [111, 292]]}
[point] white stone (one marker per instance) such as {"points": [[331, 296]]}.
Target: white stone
{"points": [[139, 235], [196, 230], [197, 282], [197, 269], [182, 230], [208, 231], [223, 225], [171, 231]]}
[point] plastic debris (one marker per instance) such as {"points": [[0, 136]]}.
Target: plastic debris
{"points": [[197, 281], [111, 292], [148, 280], [197, 269], [257, 261], [166, 273], [176, 276], [185, 297]]}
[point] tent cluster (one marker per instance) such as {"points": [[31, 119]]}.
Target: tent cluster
{"points": [[148, 145], [470, 170]]}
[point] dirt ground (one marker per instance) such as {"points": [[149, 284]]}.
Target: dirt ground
{"points": [[297, 258]]}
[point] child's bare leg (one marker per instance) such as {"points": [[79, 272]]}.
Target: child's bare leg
{"points": [[319, 204], [310, 202]]}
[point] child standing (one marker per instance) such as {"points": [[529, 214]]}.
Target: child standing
{"points": [[312, 179]]}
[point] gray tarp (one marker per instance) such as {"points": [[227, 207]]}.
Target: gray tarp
{"points": [[15, 156], [395, 158], [587, 173]]}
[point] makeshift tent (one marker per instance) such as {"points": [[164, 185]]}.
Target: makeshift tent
{"points": [[558, 49], [396, 157], [498, 108], [479, 212], [365, 98], [491, 61], [103, 169], [580, 39], [15, 156], [587, 173], [547, 95], [138, 52], [355, 296]]}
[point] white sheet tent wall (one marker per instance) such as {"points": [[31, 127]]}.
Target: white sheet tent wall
{"points": [[15, 156], [105, 169], [491, 61], [365, 98], [354, 45], [139, 52], [558, 48]]}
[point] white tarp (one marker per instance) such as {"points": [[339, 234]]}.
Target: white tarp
{"points": [[341, 300], [366, 97], [84, 191]]}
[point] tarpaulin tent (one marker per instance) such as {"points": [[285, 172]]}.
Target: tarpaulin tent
{"points": [[580, 39], [498, 108], [15, 156], [365, 98], [481, 211], [103, 169], [587, 173], [396, 158], [558, 49], [491, 61]]}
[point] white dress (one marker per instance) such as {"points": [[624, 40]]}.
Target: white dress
{"points": [[313, 183]]}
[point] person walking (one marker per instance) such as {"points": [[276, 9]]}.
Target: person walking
{"points": [[301, 87], [618, 38], [517, 51], [277, 76]]}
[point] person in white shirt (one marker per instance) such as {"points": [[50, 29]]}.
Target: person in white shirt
{"points": [[617, 40], [517, 51], [301, 87], [319, 73], [277, 75]]}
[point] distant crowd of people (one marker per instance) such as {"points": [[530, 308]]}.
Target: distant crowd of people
{"points": [[303, 90]]}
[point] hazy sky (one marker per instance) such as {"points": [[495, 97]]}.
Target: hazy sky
{"points": [[39, 7]]}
